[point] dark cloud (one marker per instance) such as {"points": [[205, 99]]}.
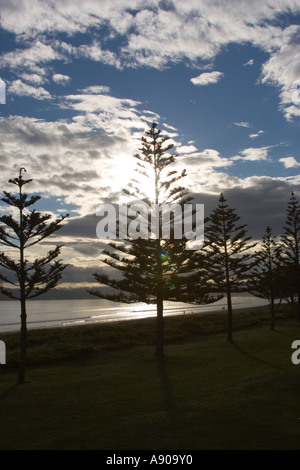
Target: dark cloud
{"points": [[261, 205], [76, 274], [83, 227]]}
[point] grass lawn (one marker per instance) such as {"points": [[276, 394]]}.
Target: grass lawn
{"points": [[101, 387]]}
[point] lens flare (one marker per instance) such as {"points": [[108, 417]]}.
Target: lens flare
{"points": [[164, 256]]}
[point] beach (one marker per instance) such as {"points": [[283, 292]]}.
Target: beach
{"points": [[69, 312]]}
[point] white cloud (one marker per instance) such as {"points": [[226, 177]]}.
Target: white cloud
{"points": [[283, 68], [20, 88], [84, 160], [185, 149], [29, 58], [253, 154], [207, 78], [95, 52], [87, 159], [242, 124], [66, 160], [172, 128], [289, 162], [34, 78], [152, 35], [250, 62], [60, 78], [96, 90], [207, 159], [257, 134], [98, 109]]}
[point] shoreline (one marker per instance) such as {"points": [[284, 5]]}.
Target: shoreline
{"points": [[85, 313]]}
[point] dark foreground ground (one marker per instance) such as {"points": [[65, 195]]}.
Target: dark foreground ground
{"points": [[102, 388]]}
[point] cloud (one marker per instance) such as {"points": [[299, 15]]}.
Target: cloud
{"points": [[259, 201], [98, 101], [60, 78], [96, 90], [20, 88], [155, 34], [207, 78], [254, 154], [151, 33], [85, 160], [289, 162], [71, 161], [67, 160], [282, 69], [34, 78], [185, 149], [242, 124], [31, 57], [254, 135], [95, 52]]}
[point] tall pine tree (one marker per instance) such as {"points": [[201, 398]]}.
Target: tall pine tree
{"points": [[24, 279], [264, 279], [155, 268], [290, 250], [225, 254]]}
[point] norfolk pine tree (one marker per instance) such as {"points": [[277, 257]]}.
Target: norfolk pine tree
{"points": [[224, 254], [154, 269], [25, 280], [290, 251], [265, 275]]}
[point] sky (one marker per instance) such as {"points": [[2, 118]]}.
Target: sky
{"points": [[83, 81]]}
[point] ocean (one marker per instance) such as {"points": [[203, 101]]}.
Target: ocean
{"points": [[64, 313]]}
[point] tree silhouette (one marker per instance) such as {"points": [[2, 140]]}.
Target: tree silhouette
{"points": [[23, 279], [265, 277], [153, 268], [290, 250], [224, 254]]}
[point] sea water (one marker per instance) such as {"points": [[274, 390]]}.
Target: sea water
{"points": [[63, 313]]}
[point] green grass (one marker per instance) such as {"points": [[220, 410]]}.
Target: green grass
{"points": [[101, 387]]}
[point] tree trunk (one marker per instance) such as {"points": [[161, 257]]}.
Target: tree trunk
{"points": [[160, 329], [159, 304], [229, 315], [272, 305], [228, 292], [298, 306], [23, 348], [159, 353], [272, 309]]}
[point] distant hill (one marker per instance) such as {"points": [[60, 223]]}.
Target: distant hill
{"points": [[61, 294]]}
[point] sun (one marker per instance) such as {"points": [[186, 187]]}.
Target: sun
{"points": [[126, 172]]}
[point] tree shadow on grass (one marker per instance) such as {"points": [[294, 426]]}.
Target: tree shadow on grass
{"points": [[8, 391], [169, 400], [256, 358], [283, 334]]}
